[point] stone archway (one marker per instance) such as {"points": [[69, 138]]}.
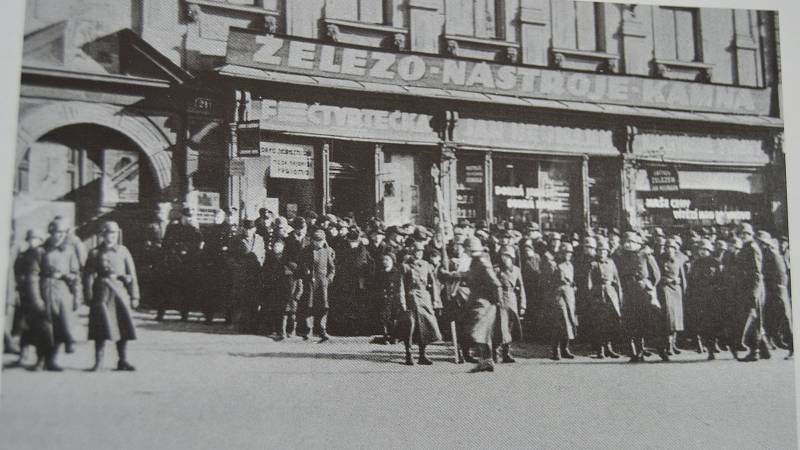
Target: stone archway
{"points": [[153, 143]]}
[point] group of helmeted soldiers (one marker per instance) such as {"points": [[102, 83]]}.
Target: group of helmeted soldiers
{"points": [[53, 275]]}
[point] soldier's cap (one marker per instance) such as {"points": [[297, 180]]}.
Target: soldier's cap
{"points": [[632, 236], [706, 244], [528, 244], [589, 242], [515, 234], [508, 250], [672, 243], [421, 233], [566, 248], [390, 254], [677, 239], [660, 240], [353, 233], [34, 233], [746, 228], [763, 236], [110, 227], [555, 236], [783, 238], [318, 234], [298, 223], [533, 226], [536, 234], [482, 233], [473, 244]]}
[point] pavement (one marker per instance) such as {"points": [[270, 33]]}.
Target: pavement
{"points": [[205, 387]]}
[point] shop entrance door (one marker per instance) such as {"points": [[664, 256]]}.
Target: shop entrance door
{"points": [[351, 170]]}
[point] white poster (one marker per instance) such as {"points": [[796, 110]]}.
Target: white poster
{"points": [[120, 176], [295, 161]]}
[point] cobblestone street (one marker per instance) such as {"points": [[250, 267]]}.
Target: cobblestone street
{"points": [[199, 386]]}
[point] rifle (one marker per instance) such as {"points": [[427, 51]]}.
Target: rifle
{"points": [[445, 260]]}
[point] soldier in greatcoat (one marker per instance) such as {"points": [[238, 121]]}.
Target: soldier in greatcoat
{"points": [[750, 284], [419, 300], [480, 310], [353, 264], [112, 289], [181, 247], [54, 281], [317, 268], [639, 273], [27, 319], [531, 270], [561, 304], [250, 305], [513, 302], [605, 298], [777, 308], [458, 290], [388, 287], [218, 251], [582, 264], [282, 288], [152, 266], [704, 291], [670, 289]]}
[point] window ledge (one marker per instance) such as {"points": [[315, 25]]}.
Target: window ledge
{"points": [[509, 50], [489, 42], [604, 62], [397, 36], [233, 7], [669, 68]]}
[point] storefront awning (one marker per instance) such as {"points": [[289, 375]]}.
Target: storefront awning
{"points": [[453, 94]]}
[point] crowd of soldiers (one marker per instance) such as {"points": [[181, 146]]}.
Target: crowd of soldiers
{"points": [[720, 289]]}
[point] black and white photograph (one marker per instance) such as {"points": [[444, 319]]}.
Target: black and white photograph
{"points": [[238, 224]]}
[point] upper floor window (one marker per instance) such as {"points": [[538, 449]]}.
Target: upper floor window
{"points": [[365, 11], [577, 25], [478, 18], [676, 34]]}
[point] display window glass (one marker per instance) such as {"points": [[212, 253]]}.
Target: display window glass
{"points": [[470, 189]]}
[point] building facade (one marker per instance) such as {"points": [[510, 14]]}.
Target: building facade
{"points": [[570, 114]]}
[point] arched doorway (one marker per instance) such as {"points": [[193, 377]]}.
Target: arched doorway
{"points": [[88, 173]]}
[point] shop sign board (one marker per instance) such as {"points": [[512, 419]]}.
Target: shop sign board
{"points": [[204, 205], [236, 167], [686, 147], [682, 210], [474, 174], [286, 160], [350, 122], [663, 178], [523, 197], [248, 138], [293, 55], [120, 176], [531, 136]]}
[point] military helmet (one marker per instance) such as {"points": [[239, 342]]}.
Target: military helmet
{"points": [[473, 244]]}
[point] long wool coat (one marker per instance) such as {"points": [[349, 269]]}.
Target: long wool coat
{"points": [[318, 269], [605, 297], [777, 307], [639, 273], [562, 301], [479, 312], [670, 293], [110, 282], [512, 300], [389, 289], [54, 285], [418, 301], [703, 297]]}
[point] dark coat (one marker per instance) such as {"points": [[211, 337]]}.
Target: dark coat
{"points": [[111, 285], [420, 298], [777, 307], [704, 297], [512, 301], [317, 268], [750, 282], [54, 282], [28, 323], [389, 288], [670, 290], [561, 304], [480, 309], [605, 297], [639, 274], [282, 287]]}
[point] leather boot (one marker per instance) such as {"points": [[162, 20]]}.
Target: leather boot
{"points": [[507, 355], [556, 353], [50, 362], [601, 351], [565, 353], [409, 359], [98, 359], [610, 351], [423, 358], [467, 356], [764, 352]]}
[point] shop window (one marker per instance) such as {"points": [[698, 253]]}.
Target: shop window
{"points": [[470, 194], [604, 192], [577, 26], [478, 18], [365, 11], [527, 190], [676, 34]]}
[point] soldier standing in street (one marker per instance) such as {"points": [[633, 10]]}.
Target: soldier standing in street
{"points": [[561, 304], [418, 301], [152, 269], [53, 281], [777, 308], [582, 264], [513, 302], [640, 275], [27, 320], [605, 297], [459, 294], [670, 289], [249, 302], [282, 287], [181, 247], [703, 291], [318, 270], [388, 286], [112, 289], [749, 262], [217, 251]]}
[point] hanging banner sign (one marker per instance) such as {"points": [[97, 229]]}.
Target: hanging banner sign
{"points": [[248, 138], [204, 205], [279, 54], [120, 176], [294, 161], [663, 178]]}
